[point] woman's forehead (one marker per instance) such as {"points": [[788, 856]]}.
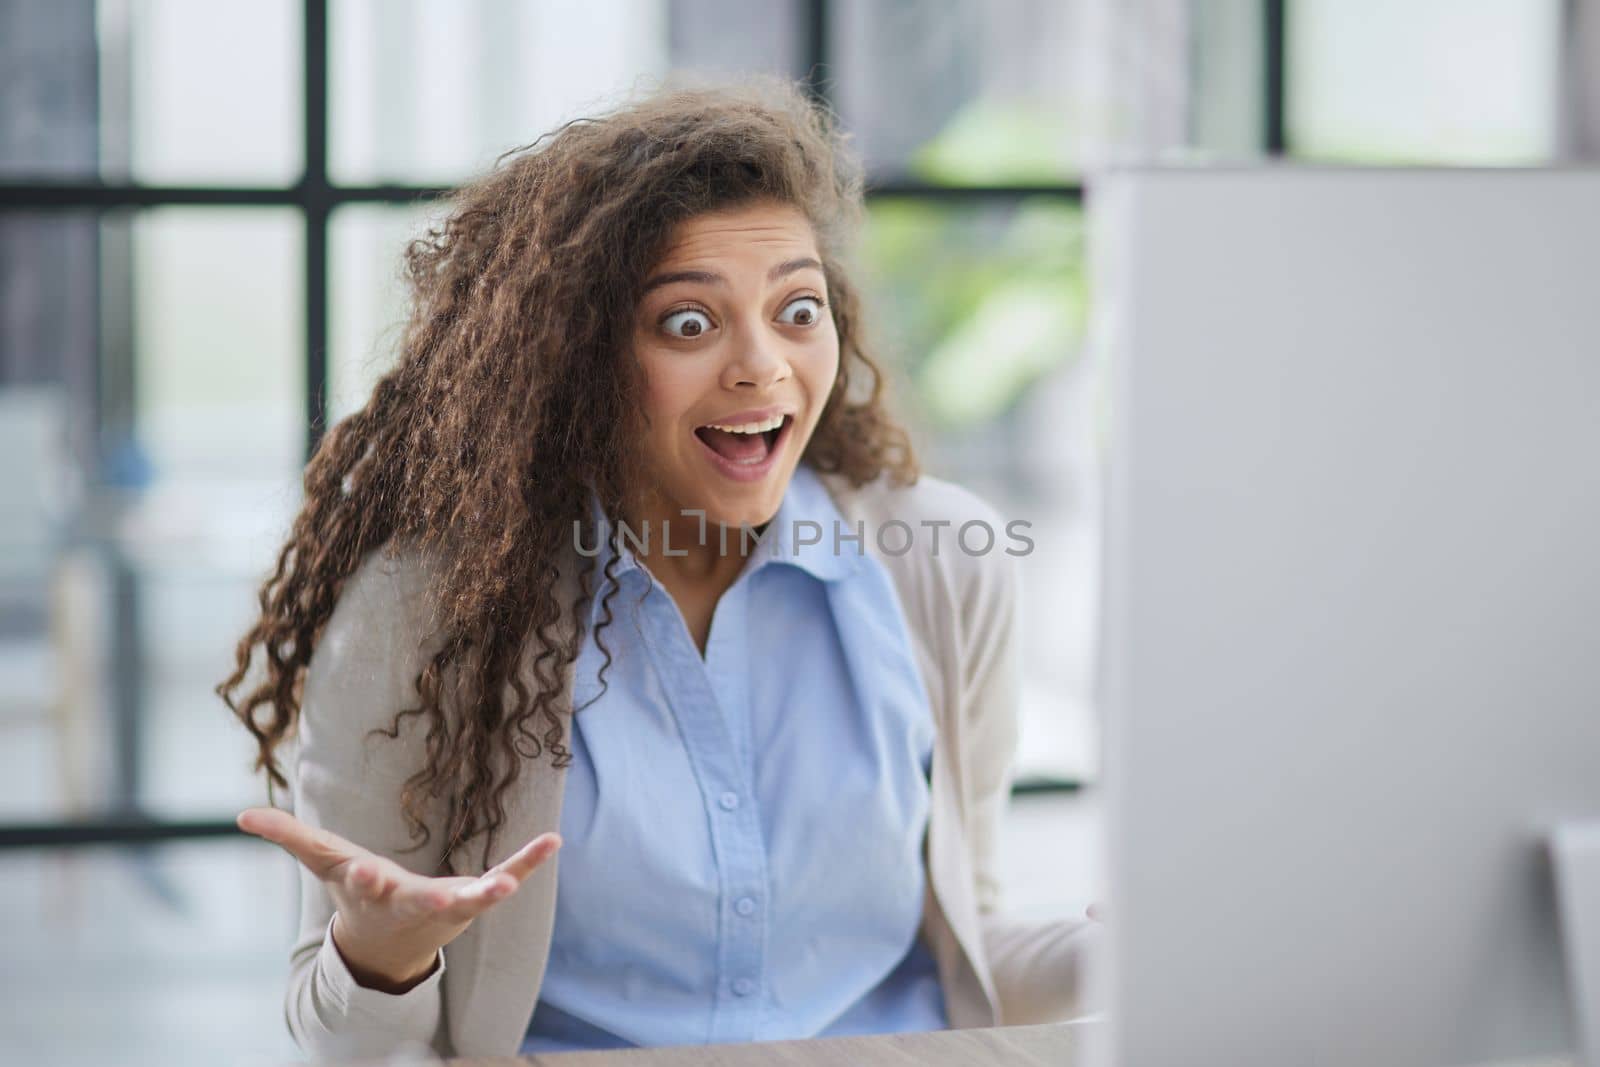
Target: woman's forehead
{"points": [[757, 229]]}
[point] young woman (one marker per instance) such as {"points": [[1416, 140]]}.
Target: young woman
{"points": [[626, 557]]}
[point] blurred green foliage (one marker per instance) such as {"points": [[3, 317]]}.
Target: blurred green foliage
{"points": [[980, 299], [991, 142], [978, 302]]}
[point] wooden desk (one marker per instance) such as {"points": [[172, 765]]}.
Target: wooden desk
{"points": [[1053, 1045]]}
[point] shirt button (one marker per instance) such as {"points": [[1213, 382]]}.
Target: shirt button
{"points": [[729, 801], [743, 987], [745, 906]]}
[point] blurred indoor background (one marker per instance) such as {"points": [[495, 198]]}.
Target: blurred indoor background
{"points": [[202, 208]]}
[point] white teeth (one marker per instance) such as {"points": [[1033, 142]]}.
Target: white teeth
{"points": [[752, 427]]}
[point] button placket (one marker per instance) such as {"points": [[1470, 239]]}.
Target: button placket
{"points": [[738, 849]]}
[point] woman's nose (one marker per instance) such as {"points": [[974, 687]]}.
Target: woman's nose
{"points": [[758, 361]]}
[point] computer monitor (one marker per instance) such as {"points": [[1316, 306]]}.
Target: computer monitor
{"points": [[1351, 646]]}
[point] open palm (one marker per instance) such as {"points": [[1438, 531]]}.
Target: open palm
{"points": [[388, 918]]}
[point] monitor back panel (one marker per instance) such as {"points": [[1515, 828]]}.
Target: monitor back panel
{"points": [[1351, 652]]}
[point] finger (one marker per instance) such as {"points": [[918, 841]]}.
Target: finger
{"points": [[482, 892], [1096, 912], [319, 850], [453, 900], [472, 899], [526, 859]]}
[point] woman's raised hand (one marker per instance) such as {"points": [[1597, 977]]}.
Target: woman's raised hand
{"points": [[390, 923]]}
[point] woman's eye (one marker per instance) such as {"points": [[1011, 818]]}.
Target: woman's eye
{"points": [[802, 311], [687, 323]]}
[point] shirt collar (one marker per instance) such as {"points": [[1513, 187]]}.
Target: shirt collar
{"points": [[808, 531]]}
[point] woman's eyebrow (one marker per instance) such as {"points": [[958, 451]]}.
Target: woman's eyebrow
{"points": [[703, 276], [789, 266], [706, 277]]}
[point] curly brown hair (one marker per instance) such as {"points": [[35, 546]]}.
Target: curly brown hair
{"points": [[515, 396]]}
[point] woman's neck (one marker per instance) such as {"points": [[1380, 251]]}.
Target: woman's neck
{"points": [[684, 550], [694, 562]]}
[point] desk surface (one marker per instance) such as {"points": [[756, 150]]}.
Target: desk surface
{"points": [[1024, 1046], [1053, 1045]]}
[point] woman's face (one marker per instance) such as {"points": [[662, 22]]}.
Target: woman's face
{"points": [[739, 354]]}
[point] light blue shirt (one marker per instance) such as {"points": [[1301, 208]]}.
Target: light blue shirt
{"points": [[743, 855]]}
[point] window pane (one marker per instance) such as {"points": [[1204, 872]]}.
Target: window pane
{"points": [[430, 93], [219, 331], [49, 273], [48, 56], [368, 298], [1429, 81], [49, 393], [159, 92], [979, 312], [1227, 104], [960, 91], [729, 38], [213, 91]]}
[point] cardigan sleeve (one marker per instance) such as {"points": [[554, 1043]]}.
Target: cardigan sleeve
{"points": [[1036, 966], [344, 781]]}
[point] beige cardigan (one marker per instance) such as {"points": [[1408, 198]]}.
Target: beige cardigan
{"points": [[961, 612]]}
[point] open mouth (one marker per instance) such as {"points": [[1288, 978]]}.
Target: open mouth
{"points": [[746, 451]]}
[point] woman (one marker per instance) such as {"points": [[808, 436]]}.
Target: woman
{"points": [[633, 461]]}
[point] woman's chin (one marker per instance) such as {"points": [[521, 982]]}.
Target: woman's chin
{"points": [[734, 518], [753, 506], [723, 501]]}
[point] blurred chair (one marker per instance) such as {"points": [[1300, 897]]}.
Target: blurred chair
{"points": [[47, 645]]}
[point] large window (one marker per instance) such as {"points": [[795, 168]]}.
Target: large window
{"points": [[213, 199], [203, 206]]}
